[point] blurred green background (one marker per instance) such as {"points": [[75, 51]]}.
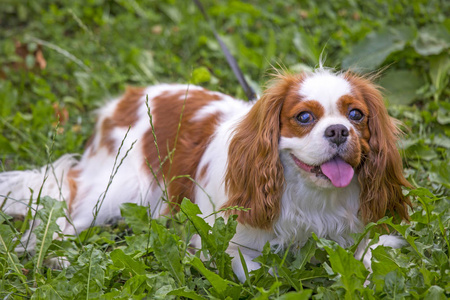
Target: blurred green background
{"points": [[67, 57]]}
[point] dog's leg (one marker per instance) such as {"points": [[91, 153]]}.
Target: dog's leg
{"points": [[392, 241]]}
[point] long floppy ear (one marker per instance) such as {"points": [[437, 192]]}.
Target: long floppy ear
{"points": [[381, 175], [254, 177]]}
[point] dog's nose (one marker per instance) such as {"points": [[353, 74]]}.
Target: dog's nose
{"points": [[336, 134]]}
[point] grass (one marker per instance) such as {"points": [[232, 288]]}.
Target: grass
{"points": [[60, 60]]}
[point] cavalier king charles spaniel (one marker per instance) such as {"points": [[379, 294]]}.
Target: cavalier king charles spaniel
{"points": [[316, 153]]}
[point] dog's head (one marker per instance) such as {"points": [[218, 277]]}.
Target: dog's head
{"points": [[330, 129]]}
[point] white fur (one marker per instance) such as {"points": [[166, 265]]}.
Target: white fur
{"points": [[364, 251], [326, 88], [306, 205], [16, 185]]}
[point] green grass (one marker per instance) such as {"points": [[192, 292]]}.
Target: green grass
{"points": [[94, 48]]}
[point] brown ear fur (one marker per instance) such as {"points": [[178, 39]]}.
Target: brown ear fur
{"points": [[254, 178], [381, 175]]}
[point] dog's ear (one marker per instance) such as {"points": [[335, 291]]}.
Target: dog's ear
{"points": [[381, 174], [254, 177]]}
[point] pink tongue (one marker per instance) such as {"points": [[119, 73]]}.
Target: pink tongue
{"points": [[338, 171]]}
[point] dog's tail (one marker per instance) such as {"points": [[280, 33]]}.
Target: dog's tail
{"points": [[20, 189]]}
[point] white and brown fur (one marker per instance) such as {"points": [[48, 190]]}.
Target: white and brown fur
{"points": [[235, 153]]}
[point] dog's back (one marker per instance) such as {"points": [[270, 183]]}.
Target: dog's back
{"points": [[145, 152]]}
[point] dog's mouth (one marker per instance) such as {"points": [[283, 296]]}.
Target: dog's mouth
{"points": [[336, 170]]}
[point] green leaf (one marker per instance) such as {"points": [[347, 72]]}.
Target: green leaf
{"points": [[305, 254], [303, 295], [382, 264], [345, 263], [6, 145], [191, 211], [265, 294], [244, 266], [441, 141], [394, 285], [402, 229], [222, 233], [373, 50], [186, 293], [7, 239], [137, 243], [432, 39], [127, 263], [162, 284], [7, 91], [136, 216], [200, 75], [137, 287], [443, 116], [55, 288], [352, 271], [235, 7], [166, 250], [50, 211], [440, 173], [7, 244], [89, 277], [434, 293], [439, 71], [401, 86], [47, 292], [219, 284], [30, 61], [422, 152], [214, 239]]}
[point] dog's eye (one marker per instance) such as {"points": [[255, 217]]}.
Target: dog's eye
{"points": [[305, 118], [355, 115]]}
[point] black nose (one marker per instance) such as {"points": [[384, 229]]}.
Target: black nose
{"points": [[336, 134]]}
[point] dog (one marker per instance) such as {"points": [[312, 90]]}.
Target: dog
{"points": [[316, 153]]}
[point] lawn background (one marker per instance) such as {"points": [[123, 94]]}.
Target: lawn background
{"points": [[61, 60]]}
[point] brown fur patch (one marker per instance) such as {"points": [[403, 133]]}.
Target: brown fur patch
{"points": [[125, 115], [179, 155], [254, 177], [106, 139], [202, 174], [381, 171], [352, 154], [126, 111], [347, 103], [359, 142], [89, 142], [293, 106], [72, 176]]}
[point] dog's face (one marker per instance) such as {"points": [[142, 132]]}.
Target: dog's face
{"points": [[328, 128], [324, 130]]}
